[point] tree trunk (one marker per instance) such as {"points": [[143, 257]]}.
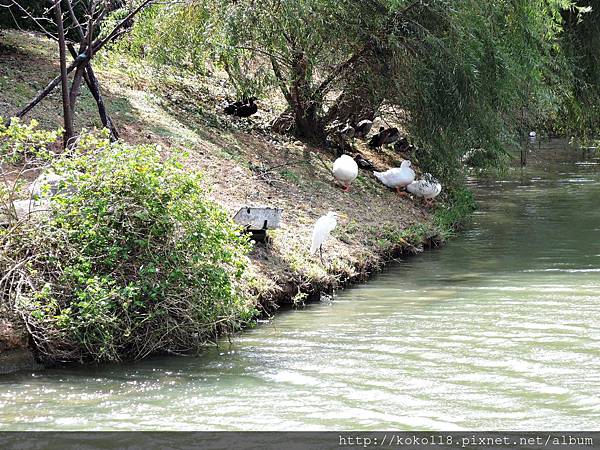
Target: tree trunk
{"points": [[304, 104], [67, 115], [76, 88], [308, 124], [94, 86]]}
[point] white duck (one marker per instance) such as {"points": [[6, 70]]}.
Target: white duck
{"points": [[427, 188], [398, 177], [345, 170], [347, 131]]}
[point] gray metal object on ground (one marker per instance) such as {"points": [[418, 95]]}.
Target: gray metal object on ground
{"points": [[257, 220]]}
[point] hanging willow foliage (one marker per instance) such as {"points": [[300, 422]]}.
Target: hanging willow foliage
{"points": [[460, 74]]}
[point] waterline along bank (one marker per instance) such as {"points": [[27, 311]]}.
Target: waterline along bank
{"points": [[133, 256], [498, 326]]}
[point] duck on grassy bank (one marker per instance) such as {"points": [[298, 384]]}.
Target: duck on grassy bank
{"points": [[347, 131], [427, 188], [363, 163], [363, 128], [398, 177], [384, 137], [345, 171], [243, 108]]}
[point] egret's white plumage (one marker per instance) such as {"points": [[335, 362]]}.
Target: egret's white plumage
{"points": [[323, 228], [345, 170], [532, 134], [398, 177], [427, 187]]}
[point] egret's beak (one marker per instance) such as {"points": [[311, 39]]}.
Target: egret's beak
{"points": [[343, 216]]}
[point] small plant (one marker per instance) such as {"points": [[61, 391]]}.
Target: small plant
{"points": [[23, 149], [290, 176], [134, 260], [300, 298]]}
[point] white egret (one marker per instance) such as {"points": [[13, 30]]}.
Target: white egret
{"points": [[345, 170], [398, 177], [322, 231]]}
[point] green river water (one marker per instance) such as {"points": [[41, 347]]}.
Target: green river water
{"points": [[500, 329]]}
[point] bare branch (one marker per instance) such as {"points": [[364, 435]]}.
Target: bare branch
{"points": [[75, 21], [83, 58], [90, 27], [36, 20]]}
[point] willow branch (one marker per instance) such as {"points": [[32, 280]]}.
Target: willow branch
{"points": [[341, 68], [280, 80]]}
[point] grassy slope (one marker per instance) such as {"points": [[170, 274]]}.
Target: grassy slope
{"points": [[243, 165]]}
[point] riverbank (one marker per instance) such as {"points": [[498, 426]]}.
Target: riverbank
{"points": [[497, 329], [241, 161]]}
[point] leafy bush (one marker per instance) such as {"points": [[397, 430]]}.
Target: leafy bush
{"points": [[20, 142], [23, 149], [133, 260]]}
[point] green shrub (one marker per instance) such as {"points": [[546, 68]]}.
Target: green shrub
{"points": [[451, 215], [20, 142], [133, 260]]}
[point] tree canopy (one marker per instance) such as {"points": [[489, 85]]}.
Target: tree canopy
{"points": [[581, 41], [457, 75]]}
